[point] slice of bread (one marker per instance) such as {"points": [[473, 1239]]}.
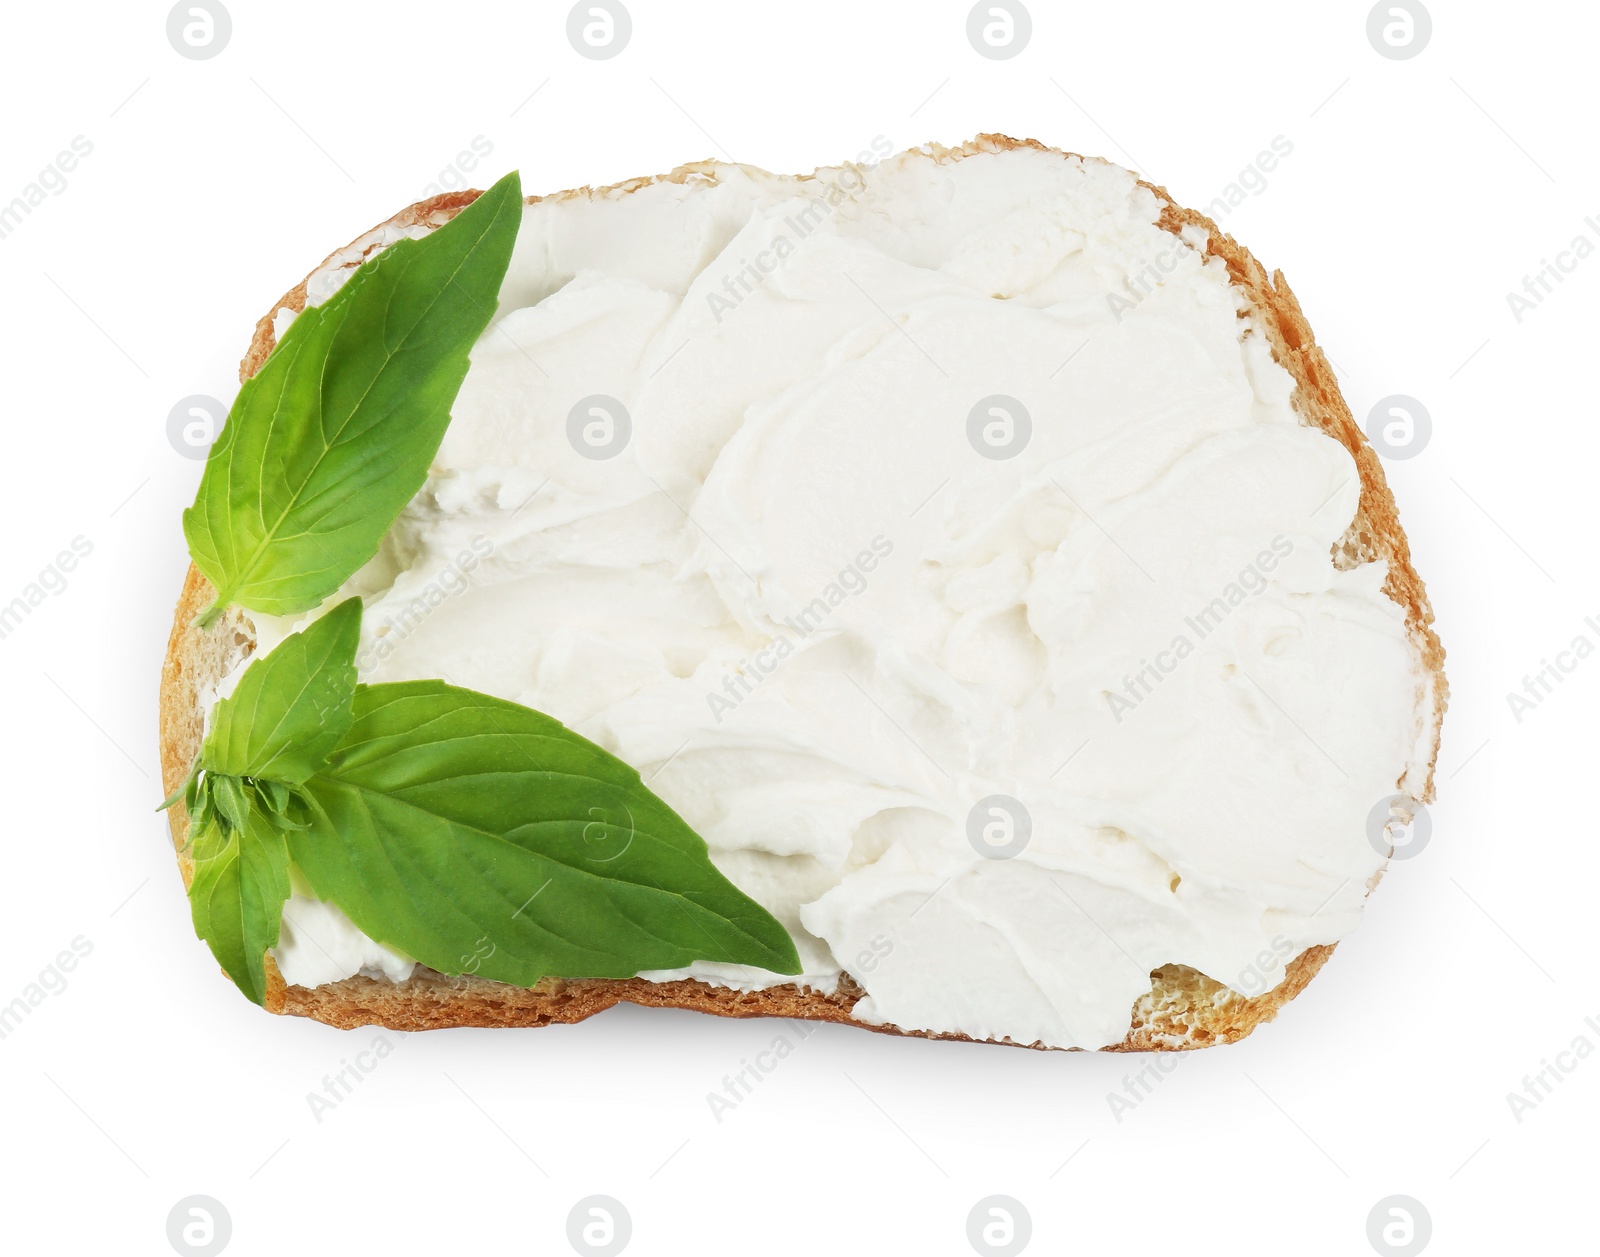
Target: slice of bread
{"points": [[1183, 1009]]}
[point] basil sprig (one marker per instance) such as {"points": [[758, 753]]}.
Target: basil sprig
{"points": [[470, 833], [245, 791], [329, 440]]}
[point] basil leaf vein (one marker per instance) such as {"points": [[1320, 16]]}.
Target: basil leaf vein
{"points": [[329, 440], [471, 833], [482, 837], [284, 718], [241, 882], [292, 706]]}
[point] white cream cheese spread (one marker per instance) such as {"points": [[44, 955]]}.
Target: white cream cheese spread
{"points": [[940, 541]]}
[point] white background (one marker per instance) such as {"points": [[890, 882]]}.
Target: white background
{"points": [[1418, 194]]}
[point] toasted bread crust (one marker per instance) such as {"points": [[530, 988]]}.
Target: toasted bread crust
{"points": [[1184, 1009]]}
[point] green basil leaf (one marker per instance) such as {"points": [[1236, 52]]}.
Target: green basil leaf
{"points": [[285, 717], [232, 799], [331, 438], [290, 708], [481, 837], [241, 882]]}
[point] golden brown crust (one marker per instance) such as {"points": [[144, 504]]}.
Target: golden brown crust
{"points": [[1183, 1009]]}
